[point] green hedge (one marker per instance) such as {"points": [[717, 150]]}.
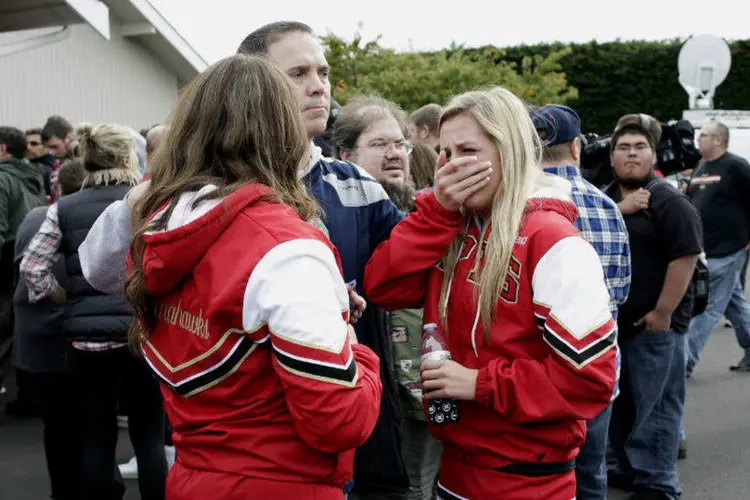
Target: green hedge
{"points": [[616, 78]]}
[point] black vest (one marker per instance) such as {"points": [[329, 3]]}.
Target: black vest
{"points": [[89, 314]]}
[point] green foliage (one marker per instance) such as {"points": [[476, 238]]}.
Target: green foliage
{"points": [[415, 79], [616, 78], [602, 81]]}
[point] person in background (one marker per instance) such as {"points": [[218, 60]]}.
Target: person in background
{"points": [[97, 323], [154, 139], [41, 350], [21, 190], [39, 156], [358, 216], [602, 225], [495, 258], [720, 189], [265, 384], [422, 161], [129, 470], [665, 240], [140, 151], [424, 125], [371, 132], [57, 136], [35, 146]]}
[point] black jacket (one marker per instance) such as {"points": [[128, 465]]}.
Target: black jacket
{"points": [[44, 165], [21, 190], [89, 314], [39, 343], [378, 464]]}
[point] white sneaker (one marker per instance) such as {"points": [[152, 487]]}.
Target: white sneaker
{"points": [[129, 470], [171, 454]]}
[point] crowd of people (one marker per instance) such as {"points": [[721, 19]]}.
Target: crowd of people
{"points": [[257, 306]]}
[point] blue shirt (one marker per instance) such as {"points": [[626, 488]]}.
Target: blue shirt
{"points": [[357, 213], [601, 224]]}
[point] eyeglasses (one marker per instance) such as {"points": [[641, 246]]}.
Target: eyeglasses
{"points": [[381, 146], [639, 148]]}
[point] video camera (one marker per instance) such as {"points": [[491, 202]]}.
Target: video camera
{"points": [[675, 152]]}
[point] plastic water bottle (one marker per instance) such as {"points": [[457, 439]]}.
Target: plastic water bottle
{"points": [[435, 348]]}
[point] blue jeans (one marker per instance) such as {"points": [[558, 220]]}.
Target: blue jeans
{"points": [[646, 417], [591, 463], [725, 297]]}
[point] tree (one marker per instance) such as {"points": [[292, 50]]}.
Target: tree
{"points": [[616, 78], [417, 78]]}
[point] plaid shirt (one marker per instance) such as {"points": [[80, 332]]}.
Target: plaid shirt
{"points": [[36, 270], [601, 224]]}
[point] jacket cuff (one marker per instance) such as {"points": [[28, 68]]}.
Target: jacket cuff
{"points": [[435, 207], [483, 391]]}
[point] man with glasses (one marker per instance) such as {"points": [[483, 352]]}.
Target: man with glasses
{"points": [[39, 156], [665, 240], [720, 189], [371, 132]]}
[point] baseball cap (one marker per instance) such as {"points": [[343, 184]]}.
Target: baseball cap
{"points": [[556, 124], [646, 123]]}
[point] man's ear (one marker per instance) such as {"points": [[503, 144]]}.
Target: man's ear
{"points": [[3, 150], [575, 149], [424, 132], [345, 154]]}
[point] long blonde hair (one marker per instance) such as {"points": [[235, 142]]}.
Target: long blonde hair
{"points": [[506, 122]]}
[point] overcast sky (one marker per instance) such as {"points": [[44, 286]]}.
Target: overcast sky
{"points": [[216, 27]]}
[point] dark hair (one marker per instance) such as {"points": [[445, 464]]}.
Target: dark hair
{"points": [[56, 126], [235, 124], [422, 161], [71, 175], [358, 114], [257, 42], [428, 115], [14, 141], [631, 129], [34, 131]]}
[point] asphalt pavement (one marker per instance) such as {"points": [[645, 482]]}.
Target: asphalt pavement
{"points": [[717, 419]]}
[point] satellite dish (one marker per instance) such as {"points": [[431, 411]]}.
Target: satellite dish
{"points": [[704, 64]]}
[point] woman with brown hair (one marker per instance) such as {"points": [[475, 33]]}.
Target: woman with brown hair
{"points": [[242, 310]]}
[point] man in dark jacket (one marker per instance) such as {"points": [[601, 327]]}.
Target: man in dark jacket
{"points": [[39, 156], [21, 190]]}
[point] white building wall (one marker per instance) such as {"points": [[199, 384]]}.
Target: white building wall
{"points": [[84, 78]]}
